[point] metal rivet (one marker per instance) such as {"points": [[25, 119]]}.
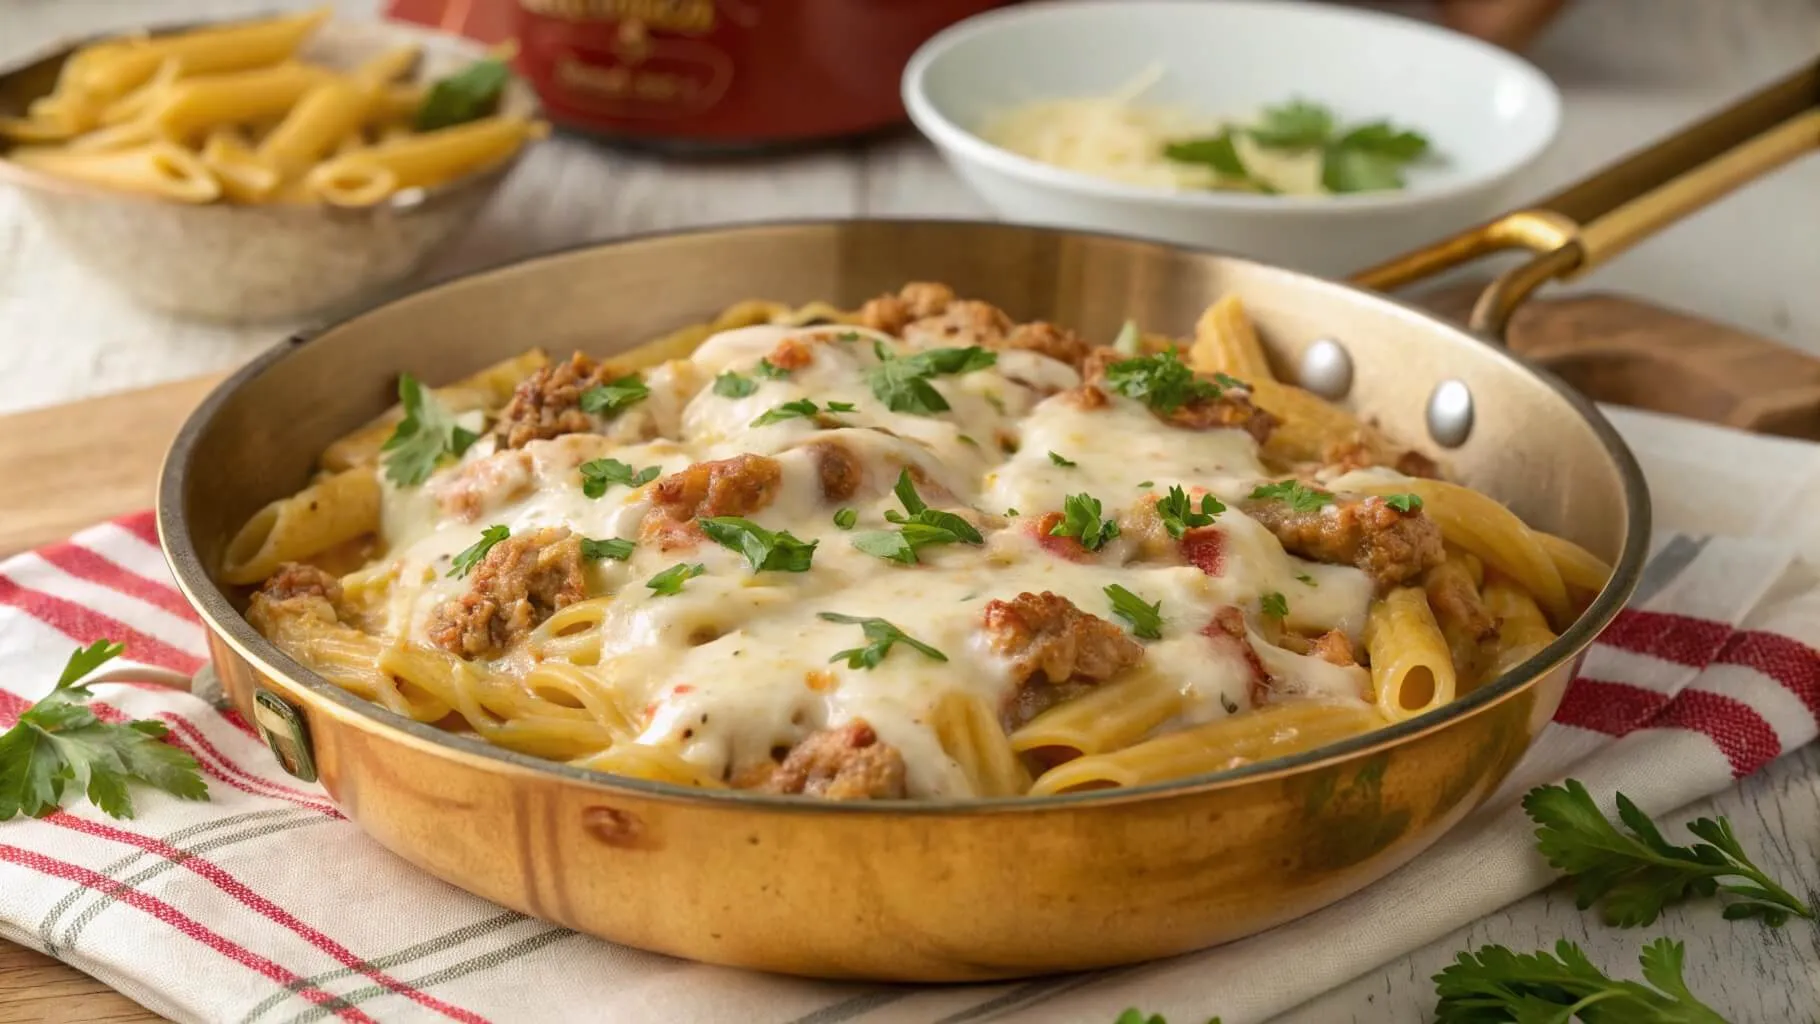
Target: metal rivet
{"points": [[615, 827], [1450, 413], [1327, 369], [284, 731]]}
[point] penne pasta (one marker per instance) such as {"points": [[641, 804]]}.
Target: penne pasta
{"points": [[1412, 671], [418, 161], [1579, 568], [1522, 631], [324, 117], [119, 69], [1104, 718], [194, 105], [1226, 342], [970, 734], [152, 169], [243, 176], [332, 511]]}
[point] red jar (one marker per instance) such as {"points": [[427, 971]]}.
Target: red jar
{"points": [[725, 74]]}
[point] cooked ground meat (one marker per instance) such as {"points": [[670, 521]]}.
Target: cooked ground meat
{"points": [[1392, 547], [1335, 648], [295, 580], [1414, 463], [840, 470], [791, 354], [520, 583], [548, 403], [1056, 650], [932, 315], [1229, 409], [1355, 453], [847, 763], [738, 486], [964, 322], [1470, 628], [1057, 343], [1086, 397], [916, 300], [484, 485]]}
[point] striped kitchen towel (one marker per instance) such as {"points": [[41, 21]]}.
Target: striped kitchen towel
{"points": [[266, 906]]}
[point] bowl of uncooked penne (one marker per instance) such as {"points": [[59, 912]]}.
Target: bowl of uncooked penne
{"points": [[261, 170]]}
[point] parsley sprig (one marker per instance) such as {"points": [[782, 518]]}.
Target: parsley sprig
{"points": [[764, 550], [1081, 519], [1635, 874], [616, 549], [599, 474], [1297, 495], [615, 396], [427, 433], [732, 385], [1364, 158], [58, 743], [472, 555], [882, 636], [1274, 604], [1179, 516], [1404, 502], [670, 582], [903, 383], [1161, 381], [468, 95], [1146, 620], [918, 526], [1495, 984], [800, 409]]}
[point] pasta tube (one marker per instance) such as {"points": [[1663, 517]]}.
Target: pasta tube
{"points": [[419, 161], [1412, 671], [1113, 715], [155, 169], [972, 736], [332, 511]]}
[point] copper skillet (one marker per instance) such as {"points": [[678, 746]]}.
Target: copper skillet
{"points": [[943, 891]]}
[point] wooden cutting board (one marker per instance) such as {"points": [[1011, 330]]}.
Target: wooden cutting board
{"points": [[60, 472]]}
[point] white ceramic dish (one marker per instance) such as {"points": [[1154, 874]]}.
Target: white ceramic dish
{"points": [[1488, 114]]}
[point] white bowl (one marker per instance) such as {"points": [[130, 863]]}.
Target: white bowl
{"points": [[1488, 114]]}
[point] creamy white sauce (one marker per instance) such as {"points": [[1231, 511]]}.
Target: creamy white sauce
{"points": [[738, 664]]}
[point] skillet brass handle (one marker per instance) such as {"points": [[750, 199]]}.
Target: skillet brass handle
{"points": [[1588, 223]]}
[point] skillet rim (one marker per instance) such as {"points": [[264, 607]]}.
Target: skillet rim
{"points": [[218, 614]]}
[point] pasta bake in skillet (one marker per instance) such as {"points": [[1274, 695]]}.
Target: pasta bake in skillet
{"points": [[915, 550]]}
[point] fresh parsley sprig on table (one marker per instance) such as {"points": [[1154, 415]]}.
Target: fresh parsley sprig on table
{"points": [[1494, 985], [427, 433], [1133, 1015], [763, 549], [918, 526], [468, 95], [882, 636], [1635, 874], [58, 742]]}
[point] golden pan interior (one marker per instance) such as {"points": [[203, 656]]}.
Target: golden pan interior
{"points": [[906, 890]]}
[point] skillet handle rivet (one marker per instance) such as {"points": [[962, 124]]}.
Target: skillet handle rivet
{"points": [[613, 826], [283, 729], [1326, 369], [1450, 413]]}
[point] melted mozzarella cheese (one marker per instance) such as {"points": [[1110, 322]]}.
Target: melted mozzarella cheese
{"points": [[738, 666]]}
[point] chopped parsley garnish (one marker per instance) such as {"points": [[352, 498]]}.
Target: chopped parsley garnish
{"points": [[1275, 605], [1011, 513], [883, 636], [59, 742], [608, 399], [1146, 485], [771, 371], [1221, 153], [779, 552], [427, 433], [846, 517], [732, 385], [614, 548], [1298, 496], [1364, 158], [1295, 125], [470, 557], [1178, 514], [599, 474], [903, 384], [802, 408], [1060, 461], [1305, 578], [840, 407], [671, 580], [1226, 380], [1146, 619], [1081, 519], [1404, 502], [1161, 381], [467, 95], [918, 526]]}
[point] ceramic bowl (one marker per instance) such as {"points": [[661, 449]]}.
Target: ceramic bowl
{"points": [[1489, 115]]}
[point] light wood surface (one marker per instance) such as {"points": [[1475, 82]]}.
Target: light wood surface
{"points": [[1630, 70]]}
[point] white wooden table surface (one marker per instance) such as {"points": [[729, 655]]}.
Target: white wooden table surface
{"points": [[1631, 70]]}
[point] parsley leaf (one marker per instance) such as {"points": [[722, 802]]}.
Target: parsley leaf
{"points": [[468, 95], [1495, 984], [670, 581], [918, 526], [1219, 153], [427, 432], [1370, 157], [1179, 516], [1162, 381], [846, 517], [770, 371], [1297, 495], [1081, 518], [614, 548], [841, 406], [763, 549], [903, 384], [1637, 873], [1274, 604], [1303, 577], [599, 474], [1227, 380], [732, 385], [1060, 461], [1296, 125], [615, 397], [883, 636], [1404, 502], [1133, 1015], [59, 742], [1146, 619], [471, 556], [800, 409]]}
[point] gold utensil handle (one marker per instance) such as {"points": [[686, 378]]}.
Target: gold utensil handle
{"points": [[1588, 223]]}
